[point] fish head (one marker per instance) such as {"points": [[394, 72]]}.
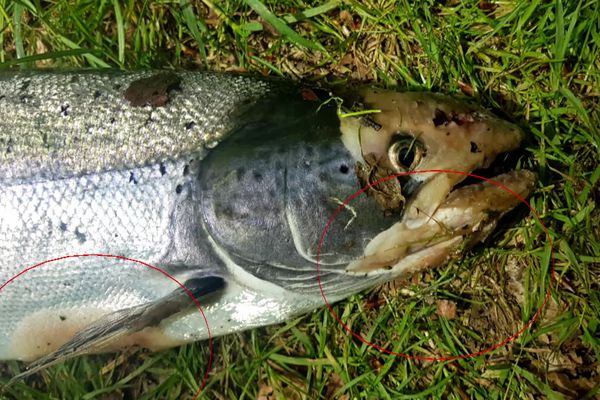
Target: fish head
{"points": [[435, 141], [269, 191]]}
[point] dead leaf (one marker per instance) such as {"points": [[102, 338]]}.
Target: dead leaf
{"points": [[446, 309], [334, 383], [265, 392], [466, 88], [575, 388]]}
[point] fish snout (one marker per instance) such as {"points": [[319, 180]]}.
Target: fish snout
{"points": [[415, 131], [439, 140]]}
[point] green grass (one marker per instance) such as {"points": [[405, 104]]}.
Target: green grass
{"points": [[536, 63]]}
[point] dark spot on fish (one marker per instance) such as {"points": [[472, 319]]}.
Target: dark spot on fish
{"points": [[64, 110], [178, 189], [344, 169], [370, 123], [308, 94], [62, 317], [116, 235], [239, 173], [474, 148], [25, 85], [2, 96], [162, 169], [97, 94], [228, 319], [48, 343], [113, 120], [257, 176], [190, 125], [117, 86], [25, 98], [80, 236], [132, 178], [9, 146], [440, 118], [186, 170], [63, 226], [447, 133], [153, 91]]}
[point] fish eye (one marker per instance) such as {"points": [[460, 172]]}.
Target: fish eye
{"points": [[405, 153]]}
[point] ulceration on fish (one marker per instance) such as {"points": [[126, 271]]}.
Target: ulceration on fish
{"points": [[153, 91], [387, 193]]}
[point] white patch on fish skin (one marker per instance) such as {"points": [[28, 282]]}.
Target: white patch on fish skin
{"points": [[45, 331]]}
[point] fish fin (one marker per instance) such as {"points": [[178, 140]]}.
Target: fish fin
{"points": [[121, 323]]}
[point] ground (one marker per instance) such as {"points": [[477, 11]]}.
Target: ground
{"points": [[536, 63]]}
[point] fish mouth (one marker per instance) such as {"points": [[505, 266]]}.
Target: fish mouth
{"points": [[433, 143]]}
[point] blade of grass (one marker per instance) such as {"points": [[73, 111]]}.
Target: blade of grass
{"points": [[120, 31], [195, 26], [53, 55], [312, 12], [281, 26], [17, 30]]}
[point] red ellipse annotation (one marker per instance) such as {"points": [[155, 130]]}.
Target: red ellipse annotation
{"points": [[447, 358], [196, 302]]}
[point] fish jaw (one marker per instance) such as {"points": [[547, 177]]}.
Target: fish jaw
{"points": [[467, 215]]}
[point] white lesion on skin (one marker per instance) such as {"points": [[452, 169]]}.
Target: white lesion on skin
{"points": [[44, 331]]}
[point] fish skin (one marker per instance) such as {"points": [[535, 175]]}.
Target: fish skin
{"points": [[125, 191], [123, 174], [67, 124]]}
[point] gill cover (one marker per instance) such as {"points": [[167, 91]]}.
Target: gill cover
{"points": [[268, 191]]}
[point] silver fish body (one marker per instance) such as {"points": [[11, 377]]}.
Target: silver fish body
{"points": [[214, 175]]}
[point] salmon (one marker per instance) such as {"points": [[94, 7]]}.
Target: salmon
{"points": [[226, 183]]}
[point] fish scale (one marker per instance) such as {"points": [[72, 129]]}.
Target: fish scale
{"points": [[101, 213], [101, 130]]}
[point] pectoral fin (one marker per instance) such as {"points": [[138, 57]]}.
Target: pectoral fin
{"points": [[121, 323]]}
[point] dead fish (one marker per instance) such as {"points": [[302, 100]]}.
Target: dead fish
{"points": [[225, 182]]}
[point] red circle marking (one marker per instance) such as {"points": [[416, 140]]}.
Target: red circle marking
{"points": [[449, 358], [146, 265]]}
